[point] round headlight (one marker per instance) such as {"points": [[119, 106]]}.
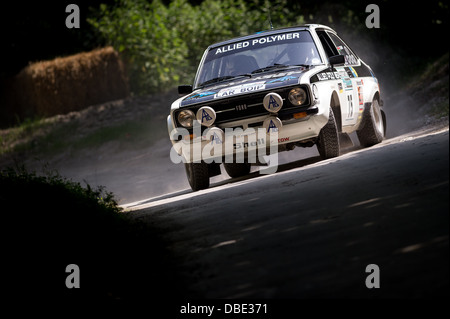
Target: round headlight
{"points": [[297, 96], [186, 118]]}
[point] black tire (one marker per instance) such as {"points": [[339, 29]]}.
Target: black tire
{"points": [[328, 141], [197, 175], [237, 169], [372, 127]]}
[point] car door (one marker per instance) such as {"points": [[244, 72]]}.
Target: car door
{"points": [[348, 85], [350, 80]]}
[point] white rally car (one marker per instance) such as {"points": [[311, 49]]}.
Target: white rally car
{"points": [[257, 95]]}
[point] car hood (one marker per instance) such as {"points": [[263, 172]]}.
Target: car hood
{"points": [[240, 86]]}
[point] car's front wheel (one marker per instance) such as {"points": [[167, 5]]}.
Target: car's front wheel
{"points": [[197, 175], [328, 141], [372, 128]]}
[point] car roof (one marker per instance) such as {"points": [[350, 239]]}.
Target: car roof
{"points": [[270, 32]]}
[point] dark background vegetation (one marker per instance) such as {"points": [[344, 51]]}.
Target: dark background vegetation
{"points": [[161, 42], [35, 30]]}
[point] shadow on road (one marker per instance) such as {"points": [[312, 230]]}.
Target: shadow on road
{"points": [[255, 174]]}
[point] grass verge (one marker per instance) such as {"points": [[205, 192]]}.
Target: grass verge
{"points": [[431, 87], [50, 137]]}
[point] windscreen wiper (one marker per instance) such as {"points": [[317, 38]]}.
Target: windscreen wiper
{"points": [[223, 78], [269, 67], [277, 66], [303, 65]]}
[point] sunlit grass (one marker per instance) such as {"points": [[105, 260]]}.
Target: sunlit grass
{"points": [[50, 137], [21, 135]]}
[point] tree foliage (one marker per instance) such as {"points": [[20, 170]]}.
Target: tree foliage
{"points": [[162, 44], [163, 41], [175, 32]]}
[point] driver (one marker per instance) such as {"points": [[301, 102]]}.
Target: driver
{"points": [[301, 53], [230, 67], [240, 64]]}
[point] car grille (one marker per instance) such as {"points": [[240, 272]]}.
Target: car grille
{"points": [[247, 106]]}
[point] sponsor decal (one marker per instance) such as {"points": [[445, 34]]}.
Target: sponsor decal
{"points": [[199, 95], [283, 75], [216, 139], [282, 79], [232, 47], [342, 72], [350, 59], [353, 72], [347, 84], [360, 96], [273, 102], [241, 145], [272, 125], [350, 106], [324, 76], [237, 89], [206, 116], [258, 41], [244, 88]]}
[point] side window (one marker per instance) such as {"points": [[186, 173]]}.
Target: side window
{"points": [[327, 44], [342, 48]]}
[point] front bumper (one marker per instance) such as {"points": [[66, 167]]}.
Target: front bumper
{"points": [[245, 139]]}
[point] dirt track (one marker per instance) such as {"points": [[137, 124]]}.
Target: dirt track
{"points": [[311, 230]]}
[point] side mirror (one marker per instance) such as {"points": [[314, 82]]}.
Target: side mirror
{"points": [[184, 89], [336, 60]]}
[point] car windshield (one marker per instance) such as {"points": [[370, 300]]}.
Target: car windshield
{"points": [[255, 55]]}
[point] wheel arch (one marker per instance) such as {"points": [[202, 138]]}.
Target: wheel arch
{"points": [[335, 105], [377, 97]]}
